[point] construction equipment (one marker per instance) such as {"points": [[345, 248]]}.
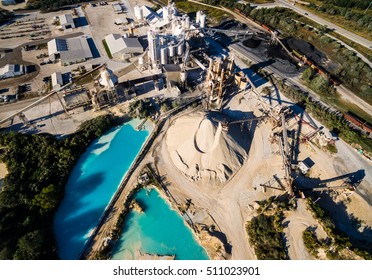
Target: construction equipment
{"points": [[310, 135], [225, 123], [286, 156]]}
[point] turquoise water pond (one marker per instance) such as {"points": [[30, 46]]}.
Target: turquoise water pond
{"points": [[92, 183], [159, 230]]}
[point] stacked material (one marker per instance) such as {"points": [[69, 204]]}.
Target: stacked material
{"points": [[202, 151]]}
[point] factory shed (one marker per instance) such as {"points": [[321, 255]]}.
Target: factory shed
{"points": [[66, 21], [120, 46], [69, 51], [11, 70], [57, 80]]}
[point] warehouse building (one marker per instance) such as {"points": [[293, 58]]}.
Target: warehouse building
{"points": [[121, 47], [69, 51], [66, 21]]}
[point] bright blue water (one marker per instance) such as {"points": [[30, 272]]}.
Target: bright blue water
{"points": [[92, 184], [159, 230]]}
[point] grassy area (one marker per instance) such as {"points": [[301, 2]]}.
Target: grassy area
{"points": [[107, 49], [265, 231], [363, 50], [215, 15], [341, 21], [339, 242]]}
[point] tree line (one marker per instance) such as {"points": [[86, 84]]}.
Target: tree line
{"points": [[39, 166]]}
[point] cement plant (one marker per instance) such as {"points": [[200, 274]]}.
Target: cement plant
{"points": [[216, 122]]}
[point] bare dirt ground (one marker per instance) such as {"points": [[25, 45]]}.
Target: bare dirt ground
{"points": [[3, 172], [295, 223]]}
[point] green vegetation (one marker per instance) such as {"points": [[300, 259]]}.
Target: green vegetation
{"points": [[361, 49], [50, 5], [107, 49], [190, 7], [260, 1], [39, 166], [353, 72], [265, 231], [317, 82], [5, 15], [350, 15], [332, 120], [339, 241], [142, 108], [311, 241]]}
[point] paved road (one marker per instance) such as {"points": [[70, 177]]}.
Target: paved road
{"points": [[350, 35]]}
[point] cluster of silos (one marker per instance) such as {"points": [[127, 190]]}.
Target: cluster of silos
{"points": [[171, 51], [201, 18], [164, 49]]}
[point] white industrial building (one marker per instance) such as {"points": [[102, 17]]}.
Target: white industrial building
{"points": [[66, 21], [57, 80], [11, 70], [69, 51], [120, 46]]}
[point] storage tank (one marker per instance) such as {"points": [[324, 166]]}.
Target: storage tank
{"points": [[165, 13], [138, 13], [197, 16], [164, 56], [180, 49], [187, 22], [172, 51], [203, 19]]}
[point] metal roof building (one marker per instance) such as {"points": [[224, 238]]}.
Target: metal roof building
{"points": [[66, 21], [69, 51], [120, 46], [57, 80], [11, 70]]}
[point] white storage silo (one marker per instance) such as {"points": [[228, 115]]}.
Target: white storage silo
{"points": [[138, 13], [172, 51], [164, 56], [203, 19], [197, 16], [180, 48]]}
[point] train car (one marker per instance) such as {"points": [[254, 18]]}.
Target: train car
{"points": [[298, 54], [358, 121], [266, 27]]}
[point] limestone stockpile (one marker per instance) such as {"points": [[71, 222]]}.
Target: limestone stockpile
{"points": [[202, 151]]}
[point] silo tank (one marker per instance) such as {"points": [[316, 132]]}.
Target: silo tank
{"points": [[180, 49], [203, 18], [172, 51], [164, 56]]}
